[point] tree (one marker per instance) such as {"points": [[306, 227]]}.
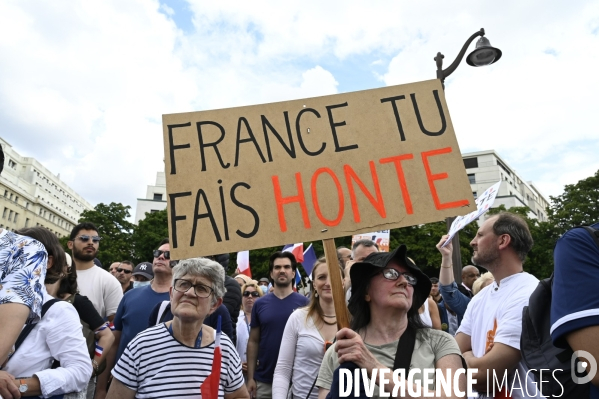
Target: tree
{"points": [[147, 234], [115, 230], [578, 205]]}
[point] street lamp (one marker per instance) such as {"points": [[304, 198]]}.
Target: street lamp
{"points": [[483, 55]]}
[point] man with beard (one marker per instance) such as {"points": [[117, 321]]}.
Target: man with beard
{"points": [[269, 316], [489, 336], [102, 289], [123, 274]]}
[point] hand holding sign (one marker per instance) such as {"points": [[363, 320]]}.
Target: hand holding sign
{"points": [[483, 203]]}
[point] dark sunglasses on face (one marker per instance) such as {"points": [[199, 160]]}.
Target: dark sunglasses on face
{"points": [[166, 254], [252, 293], [86, 238], [119, 270]]}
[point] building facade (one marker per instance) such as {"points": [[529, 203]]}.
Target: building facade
{"points": [[485, 168], [155, 199], [31, 195]]}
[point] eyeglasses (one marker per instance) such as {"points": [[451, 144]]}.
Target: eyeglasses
{"points": [[201, 290], [252, 293], [86, 238], [166, 254], [119, 270], [392, 274]]}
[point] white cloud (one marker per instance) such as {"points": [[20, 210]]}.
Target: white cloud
{"points": [[84, 84]]}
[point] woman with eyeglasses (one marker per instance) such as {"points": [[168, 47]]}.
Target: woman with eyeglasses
{"points": [[387, 331], [250, 293], [181, 357], [308, 333]]}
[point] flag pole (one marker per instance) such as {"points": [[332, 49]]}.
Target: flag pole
{"points": [[341, 311]]}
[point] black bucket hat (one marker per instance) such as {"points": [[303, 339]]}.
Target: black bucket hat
{"points": [[360, 271]]}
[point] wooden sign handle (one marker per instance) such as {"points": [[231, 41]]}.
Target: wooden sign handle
{"points": [[341, 311]]}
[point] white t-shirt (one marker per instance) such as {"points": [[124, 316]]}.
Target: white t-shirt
{"points": [[499, 308], [102, 289], [56, 336], [426, 315], [300, 356]]}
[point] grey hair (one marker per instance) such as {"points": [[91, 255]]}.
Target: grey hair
{"points": [[517, 228], [203, 267], [365, 242]]}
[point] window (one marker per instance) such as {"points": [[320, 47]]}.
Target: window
{"points": [[17, 199], [4, 213], [471, 178], [157, 197], [12, 164], [26, 222], [10, 196], [10, 216], [470, 163], [153, 210], [16, 216], [26, 205], [6, 193], [475, 194]]}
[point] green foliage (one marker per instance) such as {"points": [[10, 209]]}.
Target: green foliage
{"points": [[578, 205], [115, 230], [147, 234]]}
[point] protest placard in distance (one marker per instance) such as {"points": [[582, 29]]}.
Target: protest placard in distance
{"points": [[302, 170]]}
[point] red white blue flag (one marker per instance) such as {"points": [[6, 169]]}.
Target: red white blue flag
{"points": [[209, 388], [297, 250]]}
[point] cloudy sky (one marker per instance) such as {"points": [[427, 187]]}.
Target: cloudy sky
{"points": [[83, 84]]}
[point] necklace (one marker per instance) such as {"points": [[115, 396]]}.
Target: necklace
{"points": [[326, 315], [330, 324]]}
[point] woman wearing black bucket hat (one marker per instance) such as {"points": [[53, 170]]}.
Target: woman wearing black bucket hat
{"points": [[386, 330]]}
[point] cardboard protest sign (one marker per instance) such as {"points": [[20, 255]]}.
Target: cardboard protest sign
{"points": [[483, 204], [380, 237], [294, 171]]}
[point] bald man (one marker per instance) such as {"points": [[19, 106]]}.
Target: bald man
{"points": [[469, 275]]}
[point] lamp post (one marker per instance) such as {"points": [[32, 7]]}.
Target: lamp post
{"points": [[484, 54]]}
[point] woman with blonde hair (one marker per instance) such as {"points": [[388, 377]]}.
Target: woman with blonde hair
{"points": [[308, 334], [484, 280], [250, 294]]}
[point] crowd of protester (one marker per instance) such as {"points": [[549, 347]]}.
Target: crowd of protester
{"points": [[70, 329]]}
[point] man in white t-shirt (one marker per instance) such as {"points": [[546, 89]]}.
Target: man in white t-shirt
{"points": [[489, 336], [102, 289]]}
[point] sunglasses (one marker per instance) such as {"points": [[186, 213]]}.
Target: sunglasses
{"points": [[166, 254], [86, 238], [251, 293], [119, 270]]}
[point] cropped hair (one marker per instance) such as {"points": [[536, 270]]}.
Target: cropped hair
{"points": [[280, 255], [164, 241], [203, 267], [128, 262], [54, 249], [434, 280], [365, 243], [82, 226], [517, 228]]}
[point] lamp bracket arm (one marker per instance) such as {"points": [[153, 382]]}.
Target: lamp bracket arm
{"points": [[443, 73]]}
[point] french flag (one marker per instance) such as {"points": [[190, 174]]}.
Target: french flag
{"points": [[243, 263], [99, 350], [297, 250], [309, 260], [209, 388]]}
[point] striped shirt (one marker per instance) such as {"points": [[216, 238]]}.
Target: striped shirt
{"points": [[156, 365]]}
